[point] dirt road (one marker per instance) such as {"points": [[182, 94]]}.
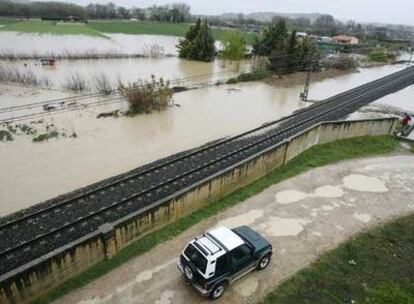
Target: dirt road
{"points": [[302, 217]]}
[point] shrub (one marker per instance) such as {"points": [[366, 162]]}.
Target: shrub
{"points": [[234, 46], [5, 135], [378, 55], [252, 76], [148, 96], [103, 84], [45, 136], [75, 82], [343, 62]]}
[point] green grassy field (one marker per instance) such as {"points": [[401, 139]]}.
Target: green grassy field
{"points": [[48, 27], [99, 28], [376, 267], [7, 21], [139, 28], [315, 157]]}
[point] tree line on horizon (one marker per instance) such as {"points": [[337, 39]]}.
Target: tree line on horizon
{"points": [[174, 12]]}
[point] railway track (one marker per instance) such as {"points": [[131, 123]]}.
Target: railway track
{"points": [[31, 235]]}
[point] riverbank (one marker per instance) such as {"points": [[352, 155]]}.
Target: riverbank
{"points": [[298, 78]]}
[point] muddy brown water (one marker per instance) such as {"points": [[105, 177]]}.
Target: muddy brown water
{"points": [[33, 172]]}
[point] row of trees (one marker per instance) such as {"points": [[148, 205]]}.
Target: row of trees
{"points": [[41, 9], [176, 12], [285, 52]]}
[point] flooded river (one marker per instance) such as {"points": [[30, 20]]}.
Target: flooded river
{"points": [[33, 172]]}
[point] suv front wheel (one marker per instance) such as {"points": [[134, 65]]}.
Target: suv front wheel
{"points": [[218, 291], [264, 262]]}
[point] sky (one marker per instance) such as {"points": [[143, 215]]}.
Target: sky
{"points": [[395, 11]]}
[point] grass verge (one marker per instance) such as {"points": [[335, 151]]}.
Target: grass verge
{"points": [[313, 158], [376, 267]]}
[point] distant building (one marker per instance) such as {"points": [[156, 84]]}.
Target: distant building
{"points": [[344, 39], [325, 39], [301, 35]]}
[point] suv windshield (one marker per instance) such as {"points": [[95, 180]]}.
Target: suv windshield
{"points": [[196, 257]]}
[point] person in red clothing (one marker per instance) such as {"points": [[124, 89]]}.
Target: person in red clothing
{"points": [[406, 124]]}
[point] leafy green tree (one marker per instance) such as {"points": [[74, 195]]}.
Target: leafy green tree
{"points": [[273, 39], [234, 46], [198, 43], [185, 45], [378, 55]]}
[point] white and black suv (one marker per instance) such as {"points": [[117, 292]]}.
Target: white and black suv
{"points": [[214, 260]]}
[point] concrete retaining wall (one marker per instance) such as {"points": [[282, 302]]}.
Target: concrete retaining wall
{"points": [[42, 275]]}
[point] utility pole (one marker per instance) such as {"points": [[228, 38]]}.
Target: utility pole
{"points": [[412, 50], [305, 93]]}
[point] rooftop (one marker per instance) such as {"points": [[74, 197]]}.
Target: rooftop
{"points": [[227, 237]]}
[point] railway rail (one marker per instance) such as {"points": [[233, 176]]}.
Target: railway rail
{"points": [[27, 236]]}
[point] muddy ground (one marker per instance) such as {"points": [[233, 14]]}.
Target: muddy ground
{"points": [[302, 217]]}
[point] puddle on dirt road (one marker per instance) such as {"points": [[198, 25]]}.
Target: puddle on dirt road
{"points": [[329, 191], [290, 196], [363, 217], [364, 183], [247, 287], [166, 297], [275, 226]]}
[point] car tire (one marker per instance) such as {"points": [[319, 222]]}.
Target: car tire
{"points": [[218, 291], [264, 262], [188, 273]]}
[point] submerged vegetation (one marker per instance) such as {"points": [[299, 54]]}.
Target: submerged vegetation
{"points": [[28, 77], [46, 136], [5, 135], [147, 96]]}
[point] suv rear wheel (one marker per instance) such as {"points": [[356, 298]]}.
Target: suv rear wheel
{"points": [[264, 262], [189, 274], [218, 291]]}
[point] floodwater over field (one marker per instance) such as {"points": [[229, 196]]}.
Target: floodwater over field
{"points": [[124, 70], [33, 172], [21, 44]]}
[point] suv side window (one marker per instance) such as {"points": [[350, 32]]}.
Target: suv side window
{"points": [[240, 254], [221, 265]]}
